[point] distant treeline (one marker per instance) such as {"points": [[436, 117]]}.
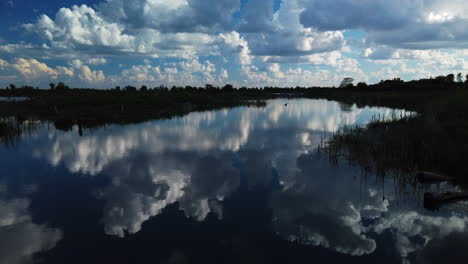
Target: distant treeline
{"points": [[439, 82]]}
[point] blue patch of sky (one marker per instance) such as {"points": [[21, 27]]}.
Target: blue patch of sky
{"points": [[354, 34], [277, 5]]}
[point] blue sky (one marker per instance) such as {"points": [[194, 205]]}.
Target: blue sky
{"points": [[243, 42]]}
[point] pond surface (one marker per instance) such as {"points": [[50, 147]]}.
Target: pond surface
{"points": [[243, 185], [13, 99]]}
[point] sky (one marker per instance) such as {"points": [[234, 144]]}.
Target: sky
{"points": [[254, 43]]}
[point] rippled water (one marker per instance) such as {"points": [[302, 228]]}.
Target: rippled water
{"points": [[243, 185]]}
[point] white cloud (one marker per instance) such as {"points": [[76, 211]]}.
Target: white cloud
{"points": [[81, 26], [291, 38], [83, 31], [297, 32], [96, 61], [238, 46], [90, 76], [275, 69], [3, 64], [421, 24], [33, 69], [173, 16]]}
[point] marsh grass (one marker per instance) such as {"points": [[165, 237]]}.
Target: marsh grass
{"points": [[400, 147], [12, 129]]}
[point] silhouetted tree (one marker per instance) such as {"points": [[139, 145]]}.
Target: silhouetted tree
{"points": [[450, 78], [210, 87], [52, 86], [117, 88], [144, 88], [228, 88], [347, 83], [12, 87], [130, 88], [361, 85], [61, 86], [459, 77]]}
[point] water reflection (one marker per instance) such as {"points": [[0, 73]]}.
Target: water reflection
{"points": [[233, 164], [20, 237], [13, 99]]}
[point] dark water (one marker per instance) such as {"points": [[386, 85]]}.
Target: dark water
{"points": [[245, 185]]}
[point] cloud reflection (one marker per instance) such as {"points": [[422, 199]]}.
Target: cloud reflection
{"points": [[20, 237], [199, 160]]}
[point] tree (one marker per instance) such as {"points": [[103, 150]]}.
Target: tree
{"points": [[209, 87], [450, 78], [130, 88], [52, 86], [347, 82], [361, 85], [459, 77], [117, 88], [12, 87], [144, 88], [228, 88], [61, 86]]}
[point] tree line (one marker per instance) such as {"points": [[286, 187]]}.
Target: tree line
{"points": [[439, 82]]}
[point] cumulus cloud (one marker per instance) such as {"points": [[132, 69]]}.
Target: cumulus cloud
{"points": [[349, 14], [89, 31], [258, 17], [237, 45], [424, 24], [81, 26], [3, 64], [91, 76], [32, 71], [31, 68], [131, 27], [173, 16], [39, 73], [242, 38], [291, 38], [96, 61], [189, 72]]}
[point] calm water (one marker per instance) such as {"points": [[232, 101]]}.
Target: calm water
{"points": [[13, 99], [244, 185]]}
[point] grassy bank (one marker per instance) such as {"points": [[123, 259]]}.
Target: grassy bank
{"points": [[434, 140]]}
